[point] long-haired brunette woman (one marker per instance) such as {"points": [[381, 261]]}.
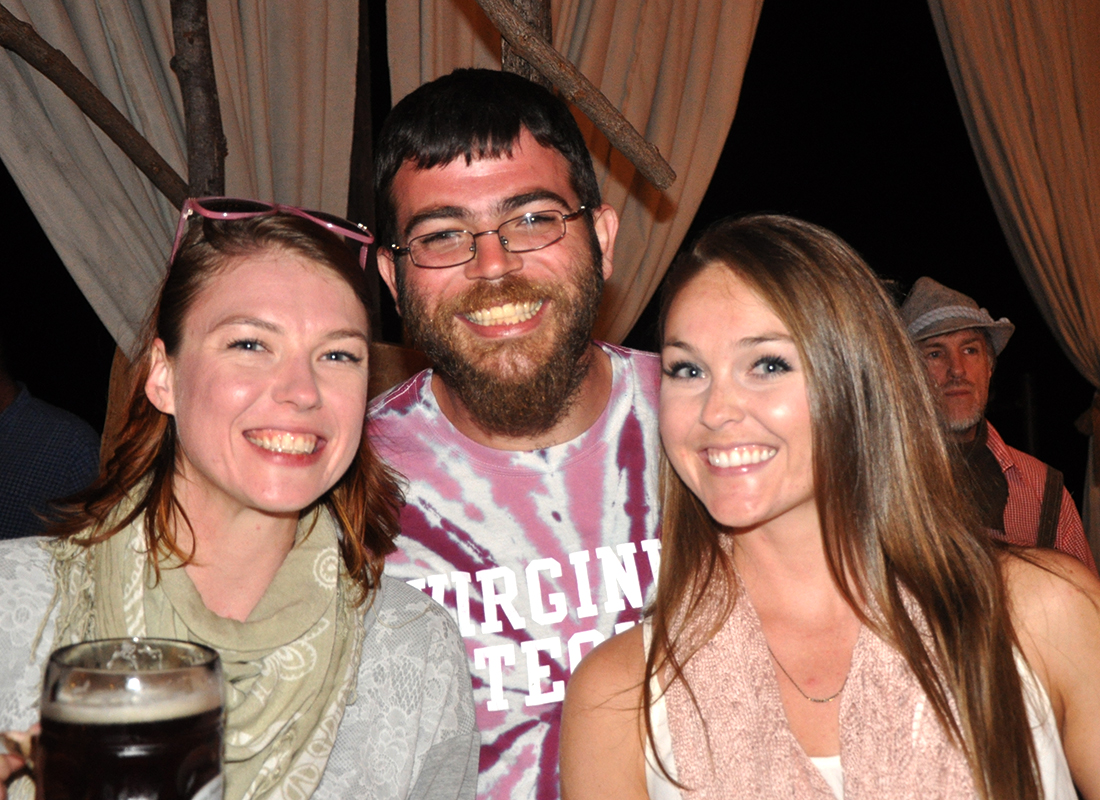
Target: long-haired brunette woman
{"points": [[244, 509], [827, 622]]}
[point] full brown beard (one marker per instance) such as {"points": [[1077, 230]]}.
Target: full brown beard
{"points": [[517, 387]]}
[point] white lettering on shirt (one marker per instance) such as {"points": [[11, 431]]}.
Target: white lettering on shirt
{"points": [[461, 581], [587, 608], [534, 590], [502, 600], [537, 672], [495, 658], [652, 548], [621, 574]]}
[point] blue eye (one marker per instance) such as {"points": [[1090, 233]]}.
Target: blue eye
{"points": [[683, 370], [771, 365]]}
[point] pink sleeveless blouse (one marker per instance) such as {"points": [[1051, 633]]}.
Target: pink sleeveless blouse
{"points": [[892, 746]]}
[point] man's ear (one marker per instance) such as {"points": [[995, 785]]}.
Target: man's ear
{"points": [[159, 384], [388, 270], [606, 222]]}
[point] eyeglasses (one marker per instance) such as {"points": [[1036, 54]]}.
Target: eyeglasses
{"points": [[222, 208], [532, 231]]}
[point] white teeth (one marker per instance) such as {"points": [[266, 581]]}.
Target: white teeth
{"points": [[507, 314], [284, 441], [739, 456]]}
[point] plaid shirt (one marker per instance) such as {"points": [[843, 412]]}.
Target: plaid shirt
{"points": [[1026, 478]]}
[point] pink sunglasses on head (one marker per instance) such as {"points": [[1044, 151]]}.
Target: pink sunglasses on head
{"points": [[237, 208]]}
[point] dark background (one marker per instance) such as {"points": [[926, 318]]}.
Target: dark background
{"points": [[847, 118]]}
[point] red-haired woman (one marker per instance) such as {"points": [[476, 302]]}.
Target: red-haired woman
{"points": [[244, 509]]}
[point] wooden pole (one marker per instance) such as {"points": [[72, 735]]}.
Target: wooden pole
{"points": [[536, 13], [579, 90], [193, 64]]}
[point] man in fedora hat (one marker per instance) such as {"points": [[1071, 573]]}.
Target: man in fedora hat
{"points": [[1019, 496]]}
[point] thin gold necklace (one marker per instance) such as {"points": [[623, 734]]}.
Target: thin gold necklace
{"points": [[798, 688]]}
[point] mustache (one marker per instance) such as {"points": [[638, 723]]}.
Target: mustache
{"points": [[511, 289], [956, 383]]}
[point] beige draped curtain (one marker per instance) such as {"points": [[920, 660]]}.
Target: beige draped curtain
{"points": [[674, 69], [1027, 76], [286, 78]]}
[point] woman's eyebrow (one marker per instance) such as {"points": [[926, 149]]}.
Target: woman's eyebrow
{"points": [[348, 333], [254, 322], [765, 338]]}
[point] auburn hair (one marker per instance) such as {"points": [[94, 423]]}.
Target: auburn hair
{"points": [[137, 480], [896, 526]]}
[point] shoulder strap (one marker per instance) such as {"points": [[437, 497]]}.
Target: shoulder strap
{"points": [[1051, 509]]}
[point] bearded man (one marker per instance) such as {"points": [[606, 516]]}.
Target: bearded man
{"points": [[1019, 498], [529, 450]]}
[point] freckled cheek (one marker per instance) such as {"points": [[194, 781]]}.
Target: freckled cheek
{"points": [[348, 405], [213, 401]]}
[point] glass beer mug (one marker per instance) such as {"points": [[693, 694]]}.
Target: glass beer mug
{"points": [[129, 719]]}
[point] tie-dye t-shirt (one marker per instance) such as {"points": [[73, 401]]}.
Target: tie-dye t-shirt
{"points": [[539, 555]]}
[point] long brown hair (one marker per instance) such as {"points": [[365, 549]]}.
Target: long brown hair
{"points": [[139, 475], [892, 516]]}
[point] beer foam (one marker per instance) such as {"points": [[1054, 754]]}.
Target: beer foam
{"points": [[116, 708]]}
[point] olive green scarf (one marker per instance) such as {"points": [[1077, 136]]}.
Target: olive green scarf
{"points": [[289, 668]]}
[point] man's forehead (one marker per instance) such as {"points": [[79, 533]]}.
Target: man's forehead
{"points": [[957, 338], [528, 163], [483, 191]]}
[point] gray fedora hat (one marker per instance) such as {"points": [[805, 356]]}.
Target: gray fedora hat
{"points": [[931, 309]]}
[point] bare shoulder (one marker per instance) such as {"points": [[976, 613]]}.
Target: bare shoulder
{"points": [[602, 730], [606, 688], [1051, 593], [1055, 604], [615, 667]]}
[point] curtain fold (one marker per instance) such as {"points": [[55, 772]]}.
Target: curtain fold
{"points": [[674, 68], [1027, 77], [286, 80]]}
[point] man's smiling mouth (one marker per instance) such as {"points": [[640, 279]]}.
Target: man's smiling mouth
{"points": [[506, 314]]}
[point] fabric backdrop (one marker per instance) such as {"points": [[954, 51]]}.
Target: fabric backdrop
{"points": [[674, 69], [1027, 76], [286, 79]]}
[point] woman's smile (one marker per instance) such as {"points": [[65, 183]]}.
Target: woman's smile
{"points": [[739, 456], [299, 444], [734, 414], [269, 384]]}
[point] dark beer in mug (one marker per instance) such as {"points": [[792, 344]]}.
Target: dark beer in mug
{"points": [[131, 719]]}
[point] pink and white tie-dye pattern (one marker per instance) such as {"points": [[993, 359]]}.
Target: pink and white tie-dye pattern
{"points": [[539, 555]]}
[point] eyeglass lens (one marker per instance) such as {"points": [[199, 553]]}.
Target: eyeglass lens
{"points": [[520, 235]]}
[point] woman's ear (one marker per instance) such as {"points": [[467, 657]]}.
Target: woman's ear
{"points": [[158, 386]]}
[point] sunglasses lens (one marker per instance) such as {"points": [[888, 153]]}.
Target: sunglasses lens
{"points": [[233, 205], [338, 222]]}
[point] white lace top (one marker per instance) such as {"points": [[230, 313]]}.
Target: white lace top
{"points": [[410, 732]]}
